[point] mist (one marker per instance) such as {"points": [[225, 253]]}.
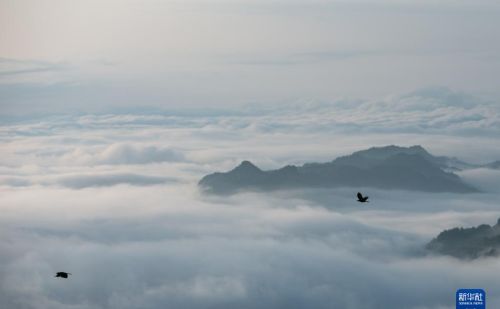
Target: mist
{"points": [[113, 200], [112, 111]]}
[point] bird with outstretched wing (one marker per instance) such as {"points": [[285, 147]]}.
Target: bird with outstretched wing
{"points": [[62, 274], [361, 198]]}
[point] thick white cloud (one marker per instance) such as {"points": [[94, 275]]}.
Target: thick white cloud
{"points": [[113, 200], [123, 154], [154, 247], [84, 181], [126, 154], [486, 179]]}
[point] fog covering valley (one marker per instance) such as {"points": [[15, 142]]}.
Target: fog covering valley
{"points": [[113, 199]]}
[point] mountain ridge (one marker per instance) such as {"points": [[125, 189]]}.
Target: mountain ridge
{"points": [[468, 243], [389, 167]]}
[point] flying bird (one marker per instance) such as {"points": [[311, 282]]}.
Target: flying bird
{"points": [[62, 274], [361, 198]]}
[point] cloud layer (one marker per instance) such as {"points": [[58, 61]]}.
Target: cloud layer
{"points": [[155, 248], [113, 200]]}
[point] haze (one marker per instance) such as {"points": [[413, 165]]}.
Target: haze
{"points": [[112, 111], [95, 56]]}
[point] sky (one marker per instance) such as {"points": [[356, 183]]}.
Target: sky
{"points": [[112, 111], [102, 56]]}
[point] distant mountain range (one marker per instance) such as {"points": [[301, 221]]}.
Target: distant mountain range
{"points": [[468, 243], [493, 165], [389, 167]]}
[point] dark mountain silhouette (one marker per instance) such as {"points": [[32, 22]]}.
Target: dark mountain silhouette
{"points": [[390, 167], [468, 243], [493, 165], [378, 153]]}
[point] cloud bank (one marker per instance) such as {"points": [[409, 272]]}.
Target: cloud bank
{"points": [[151, 247], [113, 200]]}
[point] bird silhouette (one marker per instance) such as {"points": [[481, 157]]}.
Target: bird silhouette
{"points": [[361, 198], [62, 274]]}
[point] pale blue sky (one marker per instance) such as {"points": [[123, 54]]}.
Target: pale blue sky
{"points": [[92, 56]]}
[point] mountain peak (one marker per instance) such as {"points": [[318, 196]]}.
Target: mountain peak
{"points": [[468, 243], [418, 148], [246, 166], [387, 151], [395, 148], [389, 167]]}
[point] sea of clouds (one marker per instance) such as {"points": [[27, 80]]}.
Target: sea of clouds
{"points": [[113, 199]]}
